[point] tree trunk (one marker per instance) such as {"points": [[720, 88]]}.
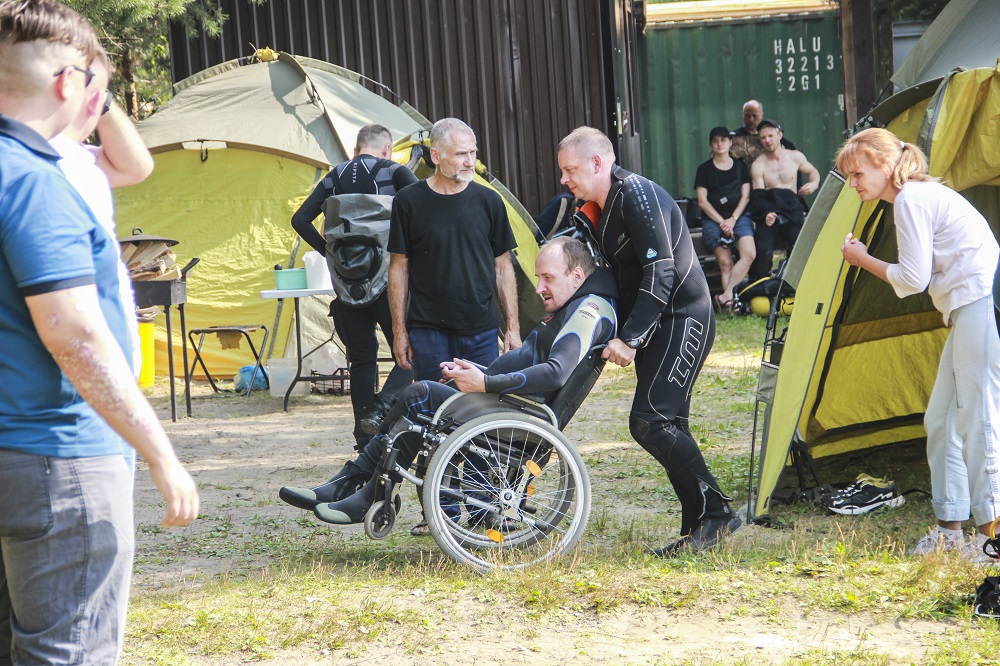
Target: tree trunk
{"points": [[866, 43], [128, 76], [858, 47]]}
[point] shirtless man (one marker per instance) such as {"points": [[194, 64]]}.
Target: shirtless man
{"points": [[774, 201], [746, 143]]}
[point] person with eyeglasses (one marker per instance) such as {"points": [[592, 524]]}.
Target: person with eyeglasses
{"points": [[121, 159], [67, 394]]}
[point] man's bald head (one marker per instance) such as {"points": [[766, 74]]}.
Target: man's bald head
{"points": [[588, 141], [753, 113], [586, 160]]}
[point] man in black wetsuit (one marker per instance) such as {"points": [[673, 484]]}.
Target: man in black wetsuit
{"points": [[578, 297], [370, 172], [667, 328]]}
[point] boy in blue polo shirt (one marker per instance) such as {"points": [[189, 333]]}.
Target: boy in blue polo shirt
{"points": [[67, 395]]}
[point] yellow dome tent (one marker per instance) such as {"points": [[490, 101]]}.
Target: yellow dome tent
{"points": [[858, 364], [237, 149]]}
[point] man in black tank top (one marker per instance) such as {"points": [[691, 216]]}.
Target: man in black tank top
{"points": [[668, 326], [370, 172]]}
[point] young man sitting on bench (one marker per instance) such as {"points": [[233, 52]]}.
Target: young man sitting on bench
{"points": [[578, 297]]}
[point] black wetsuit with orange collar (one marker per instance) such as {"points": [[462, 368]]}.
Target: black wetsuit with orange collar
{"points": [[665, 311]]}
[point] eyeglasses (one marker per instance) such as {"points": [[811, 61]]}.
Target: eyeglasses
{"points": [[107, 102], [88, 74]]}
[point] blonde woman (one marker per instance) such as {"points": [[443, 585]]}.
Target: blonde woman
{"points": [[947, 248]]}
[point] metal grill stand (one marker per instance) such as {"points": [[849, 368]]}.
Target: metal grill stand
{"points": [[165, 294]]}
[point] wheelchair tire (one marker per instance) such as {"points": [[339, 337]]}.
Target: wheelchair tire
{"points": [[517, 491], [380, 519]]}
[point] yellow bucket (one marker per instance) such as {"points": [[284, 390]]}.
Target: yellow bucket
{"points": [[147, 347]]}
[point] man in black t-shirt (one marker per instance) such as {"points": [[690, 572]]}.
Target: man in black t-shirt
{"points": [[449, 241], [370, 172], [723, 188]]}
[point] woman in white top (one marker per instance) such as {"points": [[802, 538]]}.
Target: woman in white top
{"points": [[946, 247]]}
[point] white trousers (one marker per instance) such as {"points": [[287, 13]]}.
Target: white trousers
{"points": [[963, 419]]}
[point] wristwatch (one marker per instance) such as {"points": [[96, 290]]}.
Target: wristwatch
{"points": [[633, 343]]}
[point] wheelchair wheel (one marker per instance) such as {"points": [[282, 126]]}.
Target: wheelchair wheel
{"points": [[380, 519], [506, 491]]}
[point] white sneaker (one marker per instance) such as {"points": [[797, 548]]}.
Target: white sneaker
{"points": [[939, 540], [974, 550]]}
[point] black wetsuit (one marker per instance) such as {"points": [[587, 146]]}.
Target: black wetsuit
{"points": [[365, 174], [664, 302], [540, 366]]}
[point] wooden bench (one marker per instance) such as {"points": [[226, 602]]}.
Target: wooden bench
{"points": [[692, 215]]}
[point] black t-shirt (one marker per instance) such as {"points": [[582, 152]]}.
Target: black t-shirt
{"points": [[714, 179], [451, 242], [365, 174]]}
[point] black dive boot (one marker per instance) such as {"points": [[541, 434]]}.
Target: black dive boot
{"points": [[344, 484], [353, 509], [710, 529], [373, 418], [360, 439]]}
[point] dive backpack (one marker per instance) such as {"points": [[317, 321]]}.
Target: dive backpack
{"points": [[357, 233]]}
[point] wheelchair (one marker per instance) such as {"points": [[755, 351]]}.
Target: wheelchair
{"points": [[501, 486]]}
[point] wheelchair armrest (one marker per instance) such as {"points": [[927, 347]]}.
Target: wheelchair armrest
{"points": [[463, 407]]}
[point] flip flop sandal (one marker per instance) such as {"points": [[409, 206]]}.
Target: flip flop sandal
{"points": [[421, 529]]}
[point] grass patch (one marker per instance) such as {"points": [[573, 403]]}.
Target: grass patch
{"points": [[282, 587]]}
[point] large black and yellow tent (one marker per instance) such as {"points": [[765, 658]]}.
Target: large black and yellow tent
{"points": [[858, 364], [237, 149]]}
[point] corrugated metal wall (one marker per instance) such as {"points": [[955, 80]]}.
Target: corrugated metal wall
{"points": [[522, 73], [695, 76]]}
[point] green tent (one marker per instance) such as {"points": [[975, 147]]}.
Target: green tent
{"points": [[857, 364], [237, 149]]}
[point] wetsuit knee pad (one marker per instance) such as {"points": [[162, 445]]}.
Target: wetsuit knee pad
{"points": [[639, 428]]}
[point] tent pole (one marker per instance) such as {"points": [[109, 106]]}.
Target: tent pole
{"points": [[773, 344]]}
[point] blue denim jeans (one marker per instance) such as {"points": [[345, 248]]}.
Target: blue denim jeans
{"points": [[430, 347], [67, 558]]}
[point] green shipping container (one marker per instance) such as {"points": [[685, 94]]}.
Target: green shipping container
{"points": [[697, 75]]}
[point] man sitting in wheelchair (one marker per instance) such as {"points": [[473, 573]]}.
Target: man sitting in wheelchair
{"points": [[578, 296]]}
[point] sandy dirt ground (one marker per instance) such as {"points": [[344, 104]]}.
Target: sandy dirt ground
{"points": [[242, 450]]}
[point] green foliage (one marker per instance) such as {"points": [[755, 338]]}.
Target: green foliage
{"points": [[135, 34], [916, 10]]}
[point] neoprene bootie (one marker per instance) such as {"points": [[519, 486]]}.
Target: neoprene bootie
{"points": [[373, 418], [352, 509], [343, 484], [717, 522]]}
